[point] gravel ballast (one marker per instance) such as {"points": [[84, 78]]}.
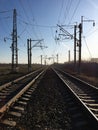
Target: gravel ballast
{"points": [[47, 109]]}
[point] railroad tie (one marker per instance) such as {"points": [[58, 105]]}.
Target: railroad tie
{"points": [[23, 103], [8, 122], [18, 108], [13, 113]]}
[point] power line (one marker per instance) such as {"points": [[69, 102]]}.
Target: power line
{"points": [[6, 11], [34, 30], [55, 48], [42, 26], [21, 3], [29, 7], [74, 11], [59, 16], [3, 21], [22, 31], [7, 17], [87, 47], [90, 32], [3, 27], [68, 7]]}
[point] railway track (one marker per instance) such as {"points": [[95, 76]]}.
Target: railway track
{"points": [[86, 96], [56, 87], [17, 93]]}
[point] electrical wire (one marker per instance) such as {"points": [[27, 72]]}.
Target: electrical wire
{"points": [[55, 47], [59, 16], [37, 25], [22, 32], [67, 10], [26, 15], [34, 20], [5, 11], [87, 47], [35, 28], [74, 11], [4, 24], [90, 33]]}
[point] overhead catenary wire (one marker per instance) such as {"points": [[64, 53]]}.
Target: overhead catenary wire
{"points": [[87, 46], [74, 12], [26, 15], [66, 6], [91, 33], [4, 21], [35, 29], [34, 20], [55, 48], [38, 25], [59, 16], [28, 23], [67, 9], [4, 27], [6, 11]]}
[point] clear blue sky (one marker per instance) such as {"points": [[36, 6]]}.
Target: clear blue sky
{"points": [[38, 19]]}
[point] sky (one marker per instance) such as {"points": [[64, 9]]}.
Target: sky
{"points": [[38, 19]]}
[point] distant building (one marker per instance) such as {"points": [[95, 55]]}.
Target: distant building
{"points": [[94, 60]]}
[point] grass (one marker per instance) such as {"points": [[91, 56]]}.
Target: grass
{"points": [[6, 75], [89, 71]]}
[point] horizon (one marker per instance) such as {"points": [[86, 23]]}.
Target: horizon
{"points": [[38, 20]]}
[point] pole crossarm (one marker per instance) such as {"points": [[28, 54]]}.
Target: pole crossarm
{"points": [[86, 20], [29, 50], [38, 43], [66, 33]]}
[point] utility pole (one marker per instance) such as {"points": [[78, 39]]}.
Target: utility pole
{"points": [[69, 56], [29, 46], [80, 38], [57, 58], [14, 43], [45, 61], [80, 34], [41, 60], [75, 26], [53, 58], [29, 54], [67, 35], [86, 20]]}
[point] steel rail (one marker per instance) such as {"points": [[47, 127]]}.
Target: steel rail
{"points": [[4, 108], [79, 80], [87, 110], [18, 79]]}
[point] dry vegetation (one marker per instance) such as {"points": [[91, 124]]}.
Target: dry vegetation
{"points": [[6, 75], [89, 71]]}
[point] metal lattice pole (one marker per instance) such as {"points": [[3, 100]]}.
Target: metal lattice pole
{"points": [[75, 45], [14, 43], [80, 33]]}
